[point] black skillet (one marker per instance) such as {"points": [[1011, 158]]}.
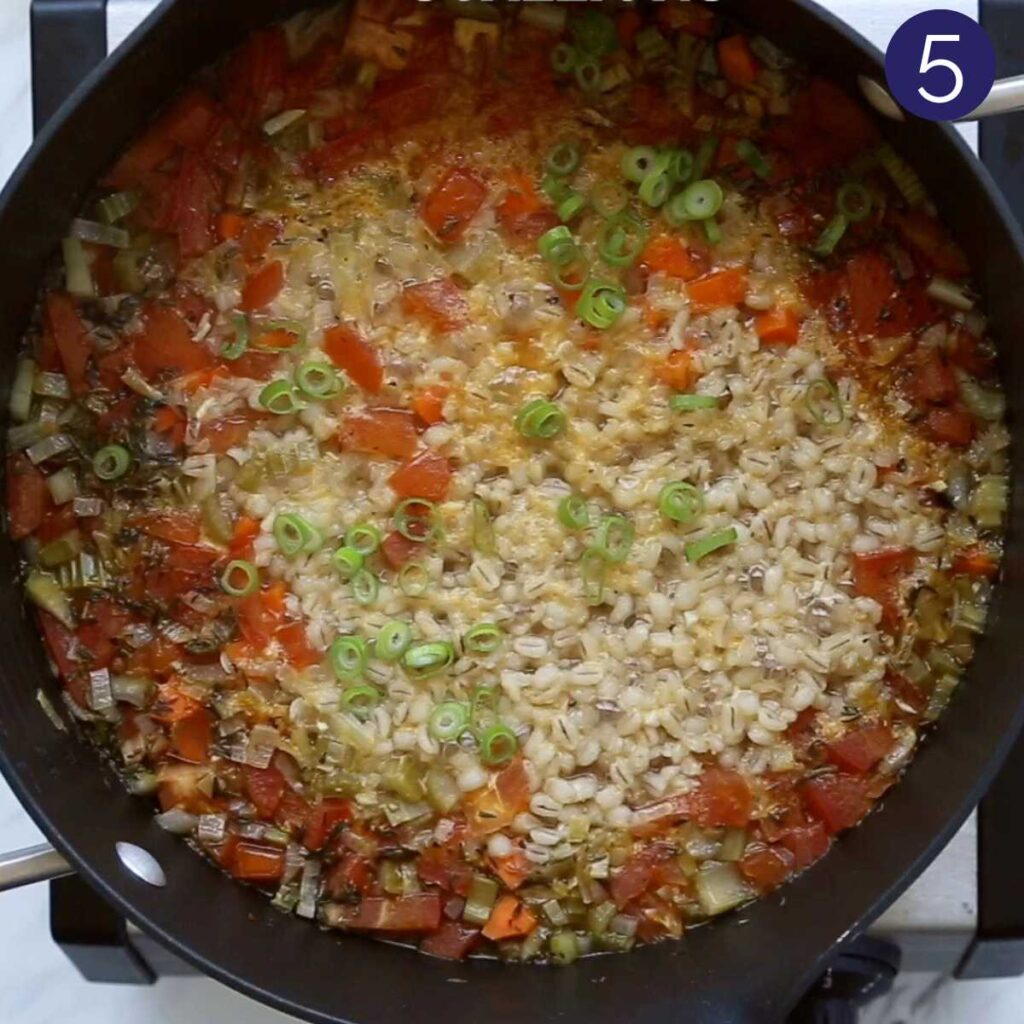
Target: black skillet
{"points": [[750, 966]]}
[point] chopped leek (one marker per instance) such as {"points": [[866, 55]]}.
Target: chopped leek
{"points": [[20, 405], [44, 592], [77, 272]]}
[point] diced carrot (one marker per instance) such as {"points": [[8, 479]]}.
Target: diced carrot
{"points": [[951, 426], [397, 549], [453, 203], [263, 286], [667, 255], [165, 344], [247, 529], [722, 288], [737, 61], [440, 303], [387, 432], [71, 338], [166, 419], [292, 638], [428, 475], [428, 404], [191, 736], [254, 863], [976, 561], [510, 919], [27, 497], [230, 226], [357, 357], [677, 371], [260, 615], [494, 807], [779, 326], [513, 869]]}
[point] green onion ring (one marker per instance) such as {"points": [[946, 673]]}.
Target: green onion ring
{"points": [[681, 501], [296, 535], [448, 721], [621, 240], [602, 303], [705, 157], [563, 159], [111, 462], [281, 398], [484, 638], [540, 419], [428, 658], [363, 537], [365, 587], [392, 641], [348, 657], [854, 202], [571, 206], [250, 578], [824, 402], [319, 380], [498, 745], [564, 58], [637, 162], [573, 513], [347, 561], [680, 165], [588, 75], [416, 520], [615, 536], [241, 340], [702, 199], [832, 235], [360, 700], [413, 579]]}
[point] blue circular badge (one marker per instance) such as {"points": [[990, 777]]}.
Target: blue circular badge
{"points": [[940, 65]]}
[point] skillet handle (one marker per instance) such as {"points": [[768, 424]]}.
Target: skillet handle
{"points": [[69, 38], [32, 864]]}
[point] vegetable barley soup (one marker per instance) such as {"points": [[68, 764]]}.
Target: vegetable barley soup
{"points": [[519, 478]]}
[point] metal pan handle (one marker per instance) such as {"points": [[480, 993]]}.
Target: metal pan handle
{"points": [[32, 864]]}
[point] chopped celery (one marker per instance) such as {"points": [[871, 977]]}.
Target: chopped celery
{"points": [[483, 892], [20, 405], [61, 550], [78, 273], [720, 887], [402, 777], [44, 592], [734, 843]]}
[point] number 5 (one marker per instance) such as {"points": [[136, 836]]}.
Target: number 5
{"points": [[927, 64]]}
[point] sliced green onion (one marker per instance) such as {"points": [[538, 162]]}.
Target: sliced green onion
{"points": [[681, 501], [702, 199], [621, 240], [713, 231], [363, 537], [563, 159], [416, 520], [268, 327], [360, 700], [281, 398], [365, 587], [448, 721], [691, 403], [392, 641], [602, 303], [347, 561], [652, 48], [319, 380], [428, 658], [296, 535], [657, 182], [540, 419], [116, 206], [706, 153], [571, 206], [609, 198], [615, 536], [594, 32], [593, 569], [237, 347], [854, 202], [588, 74], [413, 579], [637, 163], [832, 235], [753, 158], [698, 549], [348, 656], [558, 246], [483, 528], [498, 745], [484, 638], [824, 403], [676, 211], [564, 58], [572, 276], [573, 513], [484, 712], [554, 188], [77, 272], [111, 462], [680, 165], [240, 578]]}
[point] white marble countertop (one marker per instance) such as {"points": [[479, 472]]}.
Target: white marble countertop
{"points": [[37, 984]]}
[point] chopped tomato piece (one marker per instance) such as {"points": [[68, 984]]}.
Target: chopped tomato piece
{"points": [[519, 203], [387, 432], [427, 476], [722, 288], [357, 357], [807, 843], [677, 371], [263, 286], [191, 737], [667, 255], [198, 197], [61, 644], [165, 344], [872, 287], [723, 798], [877, 574], [252, 364], [439, 303], [860, 750], [292, 638], [324, 817], [265, 788], [175, 525], [845, 123], [951, 426], [838, 801], [247, 529], [260, 615], [420, 912], [253, 862], [452, 941], [780, 326], [737, 61], [513, 870], [976, 561], [632, 879], [230, 226], [767, 866], [71, 338], [510, 919], [351, 875], [493, 807], [257, 238], [224, 434], [932, 381], [398, 549], [929, 240], [453, 203], [28, 497], [428, 404]]}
